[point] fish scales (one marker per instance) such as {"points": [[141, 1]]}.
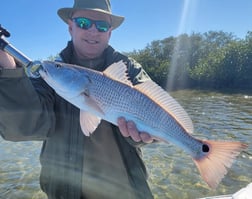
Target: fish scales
{"points": [[122, 99]]}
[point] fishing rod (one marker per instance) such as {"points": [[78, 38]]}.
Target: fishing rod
{"points": [[31, 67]]}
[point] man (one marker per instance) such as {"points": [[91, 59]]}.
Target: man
{"points": [[105, 165]]}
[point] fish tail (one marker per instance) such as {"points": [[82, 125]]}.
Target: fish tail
{"points": [[218, 157]]}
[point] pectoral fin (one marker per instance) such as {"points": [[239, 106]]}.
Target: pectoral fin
{"points": [[88, 122]]}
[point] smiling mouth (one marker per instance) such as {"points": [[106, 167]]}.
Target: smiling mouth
{"points": [[91, 41]]}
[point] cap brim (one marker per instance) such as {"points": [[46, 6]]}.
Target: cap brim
{"points": [[66, 13]]}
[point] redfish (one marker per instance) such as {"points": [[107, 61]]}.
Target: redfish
{"points": [[110, 94]]}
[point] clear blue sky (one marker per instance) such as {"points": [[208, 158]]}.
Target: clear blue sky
{"points": [[38, 32]]}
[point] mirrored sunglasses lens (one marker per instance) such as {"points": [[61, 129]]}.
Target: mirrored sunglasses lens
{"points": [[102, 26], [83, 23]]}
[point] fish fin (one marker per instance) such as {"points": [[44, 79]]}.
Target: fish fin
{"points": [[88, 122], [118, 71], [164, 100], [213, 166]]}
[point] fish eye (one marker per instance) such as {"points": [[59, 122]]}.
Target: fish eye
{"points": [[57, 65]]}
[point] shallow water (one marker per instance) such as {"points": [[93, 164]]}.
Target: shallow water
{"points": [[215, 116], [172, 174]]}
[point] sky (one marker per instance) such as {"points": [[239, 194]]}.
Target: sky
{"points": [[38, 32]]}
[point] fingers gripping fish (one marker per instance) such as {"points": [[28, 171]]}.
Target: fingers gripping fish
{"points": [[109, 95]]}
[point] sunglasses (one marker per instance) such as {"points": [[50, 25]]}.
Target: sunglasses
{"points": [[86, 23]]}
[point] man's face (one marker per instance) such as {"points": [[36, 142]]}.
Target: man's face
{"points": [[89, 43]]}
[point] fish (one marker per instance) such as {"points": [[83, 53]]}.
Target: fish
{"points": [[110, 94]]}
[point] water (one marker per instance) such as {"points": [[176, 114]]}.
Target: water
{"points": [[19, 170], [172, 172], [215, 116]]}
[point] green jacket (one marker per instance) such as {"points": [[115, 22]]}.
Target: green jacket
{"points": [[104, 165]]}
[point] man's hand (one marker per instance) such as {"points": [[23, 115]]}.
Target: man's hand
{"points": [[128, 129], [6, 61]]}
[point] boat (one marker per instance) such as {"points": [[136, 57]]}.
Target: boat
{"points": [[244, 193]]}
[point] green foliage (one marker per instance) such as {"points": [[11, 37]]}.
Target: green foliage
{"points": [[209, 60]]}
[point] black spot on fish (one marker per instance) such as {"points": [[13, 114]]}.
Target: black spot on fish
{"points": [[205, 148]]}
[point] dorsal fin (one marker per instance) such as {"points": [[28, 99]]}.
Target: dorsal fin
{"points": [[118, 71], [164, 100]]}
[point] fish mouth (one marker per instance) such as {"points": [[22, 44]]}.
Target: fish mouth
{"points": [[43, 72]]}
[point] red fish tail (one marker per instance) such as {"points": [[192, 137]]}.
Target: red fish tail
{"points": [[219, 157]]}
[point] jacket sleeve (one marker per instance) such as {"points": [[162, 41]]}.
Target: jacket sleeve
{"points": [[26, 107], [136, 72]]}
